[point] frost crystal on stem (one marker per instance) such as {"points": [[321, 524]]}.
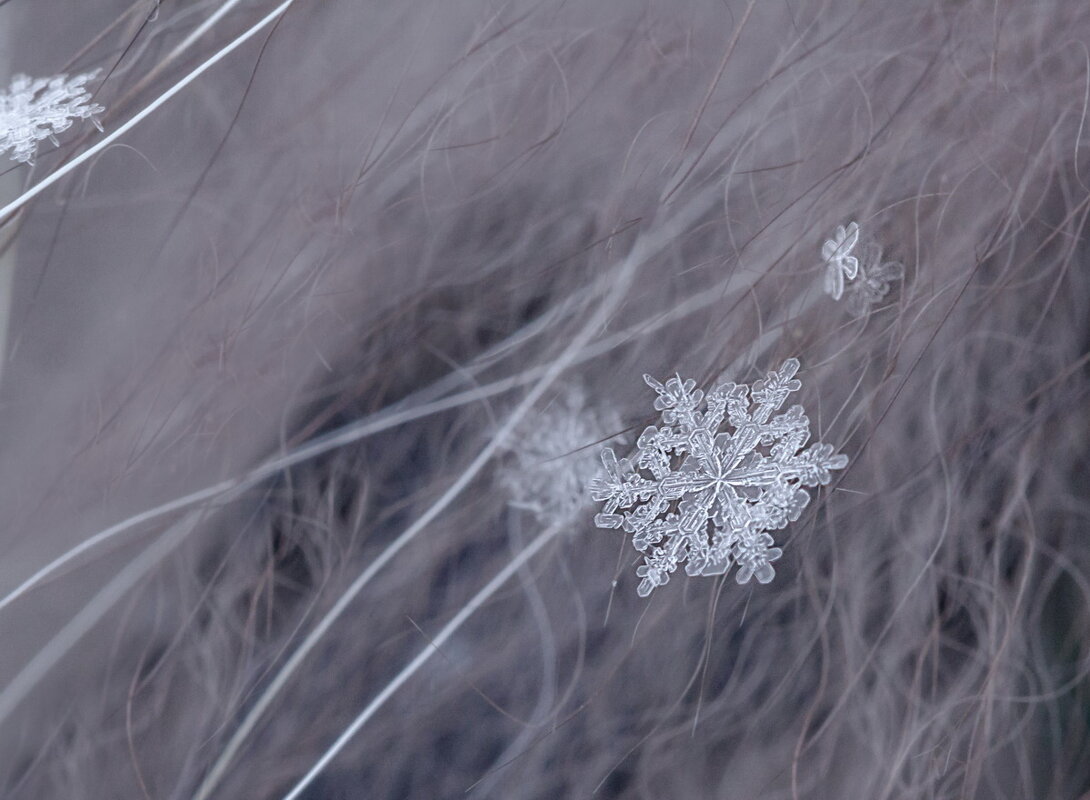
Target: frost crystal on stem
{"points": [[838, 258], [692, 493], [39, 108]]}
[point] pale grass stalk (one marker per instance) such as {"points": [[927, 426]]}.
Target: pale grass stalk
{"points": [[131, 574], [200, 30], [424, 655]]}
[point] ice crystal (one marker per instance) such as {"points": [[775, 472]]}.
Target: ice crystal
{"points": [[554, 458], [695, 494], [838, 258], [875, 277], [39, 108]]}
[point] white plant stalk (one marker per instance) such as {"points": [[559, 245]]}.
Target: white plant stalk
{"points": [[468, 610]]}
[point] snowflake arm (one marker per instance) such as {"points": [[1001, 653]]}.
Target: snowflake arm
{"points": [[34, 109], [839, 262], [709, 498], [754, 559]]}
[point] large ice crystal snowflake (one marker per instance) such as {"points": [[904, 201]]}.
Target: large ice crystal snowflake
{"points": [[39, 108], [692, 493]]}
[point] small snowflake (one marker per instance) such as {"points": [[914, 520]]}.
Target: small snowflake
{"points": [[694, 494], [554, 458], [875, 277], [839, 262], [39, 108]]}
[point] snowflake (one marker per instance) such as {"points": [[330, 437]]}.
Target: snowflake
{"points": [[553, 458], [708, 498], [875, 277], [39, 108], [839, 262]]}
